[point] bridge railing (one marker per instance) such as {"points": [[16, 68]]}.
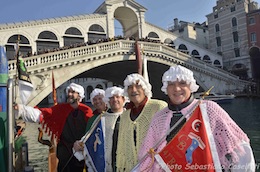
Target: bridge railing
{"points": [[62, 58], [173, 54]]}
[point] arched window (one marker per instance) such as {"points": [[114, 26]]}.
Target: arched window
{"points": [[152, 35], [47, 41], [73, 36], [183, 48], [195, 54], [96, 28], [47, 35], [25, 48], [206, 59], [169, 42], [95, 33], [217, 63]]}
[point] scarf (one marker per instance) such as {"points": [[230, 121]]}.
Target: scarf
{"points": [[55, 117]]}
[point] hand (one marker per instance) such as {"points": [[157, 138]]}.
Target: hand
{"points": [[78, 146], [15, 106]]}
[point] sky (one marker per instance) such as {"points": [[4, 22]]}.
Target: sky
{"points": [[159, 12]]}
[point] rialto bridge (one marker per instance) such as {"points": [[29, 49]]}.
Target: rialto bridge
{"points": [[113, 61], [74, 47]]}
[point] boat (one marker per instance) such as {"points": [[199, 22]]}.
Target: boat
{"points": [[218, 98]]}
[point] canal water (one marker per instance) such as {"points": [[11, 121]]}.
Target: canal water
{"points": [[245, 111]]}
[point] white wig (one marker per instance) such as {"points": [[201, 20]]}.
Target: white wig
{"points": [[133, 78], [112, 91], [179, 73], [95, 92], [77, 88]]}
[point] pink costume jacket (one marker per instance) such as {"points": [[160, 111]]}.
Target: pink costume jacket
{"points": [[228, 136]]}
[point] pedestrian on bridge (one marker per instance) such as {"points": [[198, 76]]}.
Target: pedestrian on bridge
{"points": [[232, 147], [66, 121]]}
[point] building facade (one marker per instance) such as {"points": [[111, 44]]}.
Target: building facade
{"points": [[194, 32], [253, 28], [228, 36]]}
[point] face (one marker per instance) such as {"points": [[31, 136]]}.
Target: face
{"points": [[73, 96], [98, 103], [116, 103], [136, 94], [178, 92]]}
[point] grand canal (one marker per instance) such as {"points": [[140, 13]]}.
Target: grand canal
{"points": [[245, 111]]}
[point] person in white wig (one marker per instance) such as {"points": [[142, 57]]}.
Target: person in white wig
{"points": [[232, 144], [65, 121], [115, 100], [135, 120], [96, 98]]}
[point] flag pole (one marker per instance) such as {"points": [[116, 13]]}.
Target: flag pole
{"points": [[171, 129], [17, 49]]}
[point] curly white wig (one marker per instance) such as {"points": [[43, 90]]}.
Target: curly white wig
{"points": [[133, 78], [95, 92], [77, 88], [112, 91], [179, 73]]}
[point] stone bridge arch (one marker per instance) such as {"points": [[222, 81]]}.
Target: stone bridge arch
{"points": [[113, 61]]}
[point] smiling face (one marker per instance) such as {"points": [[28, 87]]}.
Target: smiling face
{"points": [[178, 92], [98, 103], [73, 97], [116, 103], [136, 94]]}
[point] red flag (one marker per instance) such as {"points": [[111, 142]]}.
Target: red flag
{"points": [[138, 58], [189, 150], [54, 92]]}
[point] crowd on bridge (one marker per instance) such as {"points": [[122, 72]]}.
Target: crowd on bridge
{"points": [[128, 130], [90, 42]]}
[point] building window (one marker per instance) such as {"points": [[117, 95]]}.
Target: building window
{"points": [[234, 22], [218, 39], [251, 20], [253, 37], [215, 15], [232, 9], [217, 27], [235, 36], [237, 52], [181, 30]]}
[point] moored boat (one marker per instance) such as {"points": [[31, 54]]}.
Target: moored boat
{"points": [[219, 98]]}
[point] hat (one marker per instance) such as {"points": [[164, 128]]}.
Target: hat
{"points": [[179, 73], [77, 88], [95, 92], [111, 91], [133, 78]]}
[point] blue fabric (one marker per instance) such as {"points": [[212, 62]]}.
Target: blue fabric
{"points": [[95, 145]]}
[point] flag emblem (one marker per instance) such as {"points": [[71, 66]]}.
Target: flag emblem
{"points": [[190, 149]]}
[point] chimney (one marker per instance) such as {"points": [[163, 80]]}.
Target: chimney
{"points": [[176, 23]]}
